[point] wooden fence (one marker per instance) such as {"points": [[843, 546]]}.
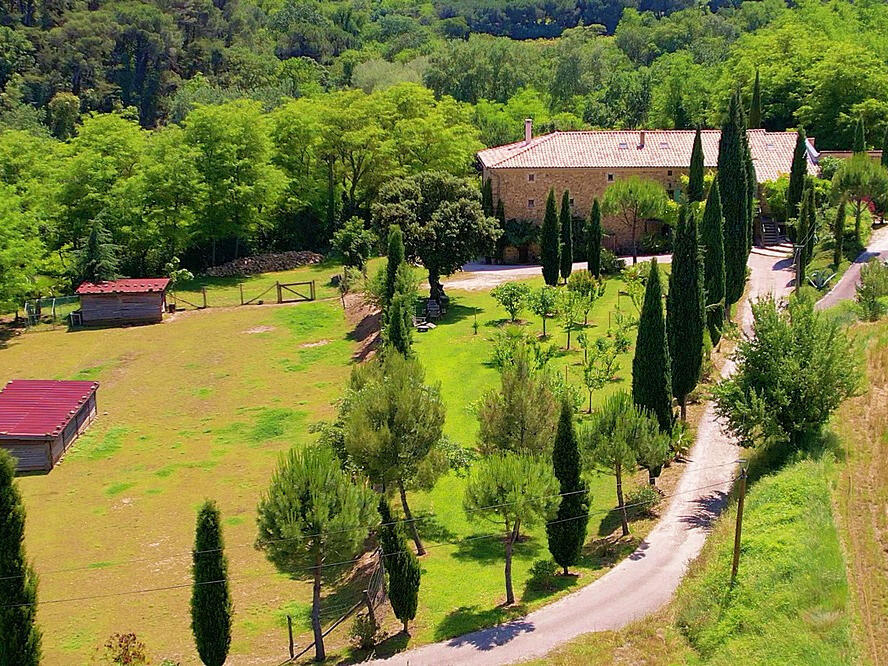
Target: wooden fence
{"points": [[283, 292]]}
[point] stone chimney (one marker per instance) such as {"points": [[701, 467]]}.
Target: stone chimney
{"points": [[528, 129], [641, 139]]}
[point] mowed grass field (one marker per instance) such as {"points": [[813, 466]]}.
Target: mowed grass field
{"points": [[201, 406]]}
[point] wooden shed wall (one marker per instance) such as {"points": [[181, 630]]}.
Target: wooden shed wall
{"points": [[116, 308], [42, 454]]}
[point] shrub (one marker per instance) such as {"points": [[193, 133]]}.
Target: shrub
{"points": [[641, 501], [364, 633], [125, 649], [873, 286], [512, 340], [610, 263], [542, 575]]}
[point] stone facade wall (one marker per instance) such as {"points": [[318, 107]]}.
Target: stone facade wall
{"points": [[518, 187]]}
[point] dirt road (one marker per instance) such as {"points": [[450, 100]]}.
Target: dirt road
{"points": [[647, 579]]}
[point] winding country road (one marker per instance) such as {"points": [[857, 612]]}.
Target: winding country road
{"points": [[647, 579], [845, 288]]}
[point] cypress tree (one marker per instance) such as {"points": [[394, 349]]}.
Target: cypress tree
{"points": [[487, 197], [804, 231], [859, 136], [395, 259], [712, 238], [732, 176], [684, 310], [398, 331], [755, 108], [593, 240], [564, 220], [550, 242], [19, 635], [797, 173], [839, 233], [751, 185], [401, 567], [695, 175], [567, 532], [210, 600], [885, 149], [651, 366], [811, 222]]}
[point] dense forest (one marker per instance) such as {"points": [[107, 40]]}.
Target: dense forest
{"points": [[205, 129]]}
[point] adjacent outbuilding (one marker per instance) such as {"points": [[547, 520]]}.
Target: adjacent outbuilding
{"points": [[126, 301], [40, 419]]}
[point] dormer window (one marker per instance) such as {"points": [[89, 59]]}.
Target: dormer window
{"points": [[624, 145], [664, 145]]}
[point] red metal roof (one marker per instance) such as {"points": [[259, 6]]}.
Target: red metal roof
{"points": [[771, 151], [124, 286], [38, 408]]}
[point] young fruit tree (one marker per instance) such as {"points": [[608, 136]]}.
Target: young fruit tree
{"points": [[793, 371], [511, 491], [19, 635], [632, 201], [589, 288], [442, 220], [393, 428], [651, 365], [210, 597], [567, 532], [313, 514], [522, 415], [513, 297], [619, 437], [570, 311], [543, 303], [402, 568]]}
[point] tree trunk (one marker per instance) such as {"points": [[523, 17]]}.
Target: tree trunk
{"points": [[436, 289], [858, 211], [544, 326], [419, 549], [320, 653], [590, 402], [682, 403], [624, 517], [568, 338], [510, 541], [405, 626]]}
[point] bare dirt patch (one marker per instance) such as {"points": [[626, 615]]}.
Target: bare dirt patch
{"points": [[262, 329], [367, 322], [319, 343]]}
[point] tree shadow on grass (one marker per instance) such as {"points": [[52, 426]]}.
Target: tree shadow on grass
{"points": [[490, 549], [465, 619], [456, 312], [532, 592], [389, 647], [431, 529]]}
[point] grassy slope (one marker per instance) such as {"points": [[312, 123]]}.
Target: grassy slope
{"points": [[201, 406]]}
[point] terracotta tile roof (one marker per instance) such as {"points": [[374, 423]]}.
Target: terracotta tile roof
{"points": [[125, 286], [37, 408], [771, 151]]}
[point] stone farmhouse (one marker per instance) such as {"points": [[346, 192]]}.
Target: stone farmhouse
{"points": [[586, 162]]}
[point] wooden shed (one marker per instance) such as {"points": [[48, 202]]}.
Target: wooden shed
{"points": [[126, 301], [40, 419]]}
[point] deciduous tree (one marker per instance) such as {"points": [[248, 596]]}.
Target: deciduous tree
{"points": [[513, 296], [543, 303], [859, 179], [755, 107], [633, 200]]}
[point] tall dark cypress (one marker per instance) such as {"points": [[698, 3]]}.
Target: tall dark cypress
{"points": [[751, 187], [695, 174], [550, 242], [811, 222], [401, 567], [732, 175], [797, 173], [395, 259], [755, 108], [685, 310], [210, 599], [19, 635], [567, 244], [567, 532], [593, 240], [651, 365], [712, 239], [487, 197], [859, 136], [839, 233]]}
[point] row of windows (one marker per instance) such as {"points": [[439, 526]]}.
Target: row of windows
{"points": [[672, 194]]}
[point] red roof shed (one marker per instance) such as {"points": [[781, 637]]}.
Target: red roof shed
{"points": [[40, 419], [130, 300]]}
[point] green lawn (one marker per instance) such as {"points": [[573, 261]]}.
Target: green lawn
{"points": [[201, 406]]}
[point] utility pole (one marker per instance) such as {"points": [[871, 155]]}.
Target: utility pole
{"points": [[738, 527]]}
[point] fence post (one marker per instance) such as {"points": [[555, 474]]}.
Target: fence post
{"points": [[203, 290], [241, 285], [370, 611], [278, 285], [312, 290], [290, 632]]}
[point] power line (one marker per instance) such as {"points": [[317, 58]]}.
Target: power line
{"points": [[343, 562]]}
